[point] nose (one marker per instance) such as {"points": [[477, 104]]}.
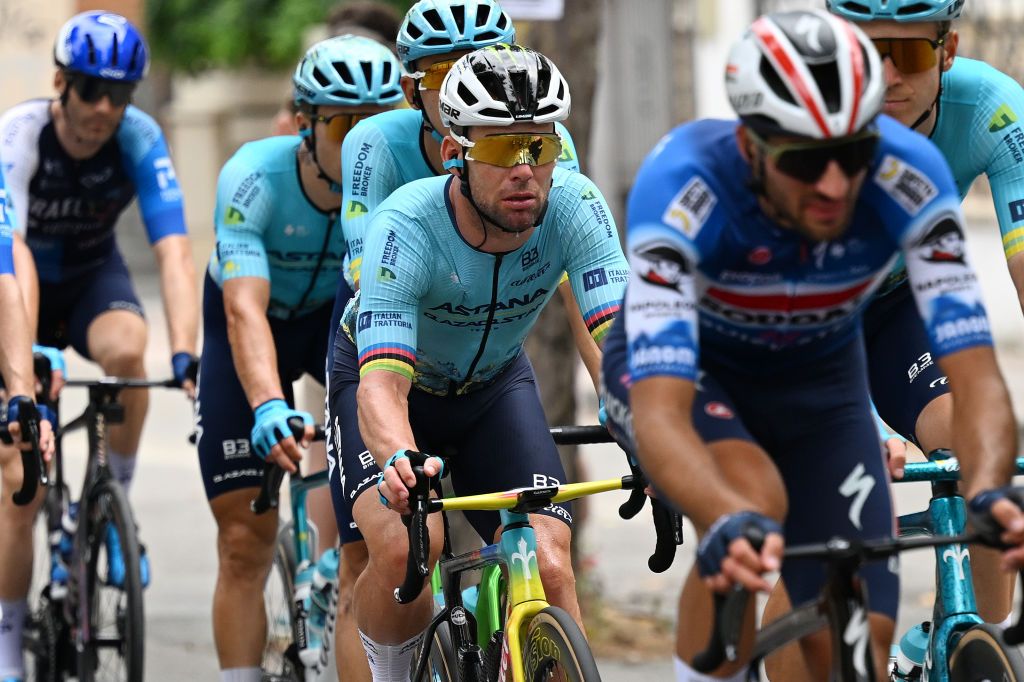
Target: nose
{"points": [[103, 105], [892, 74], [833, 183], [521, 172]]}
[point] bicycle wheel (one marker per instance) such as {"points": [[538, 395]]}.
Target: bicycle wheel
{"points": [[280, 659], [112, 589], [555, 649], [981, 654], [44, 639], [441, 661]]}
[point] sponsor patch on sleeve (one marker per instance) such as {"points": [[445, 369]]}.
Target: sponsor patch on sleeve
{"points": [[690, 208], [908, 186]]}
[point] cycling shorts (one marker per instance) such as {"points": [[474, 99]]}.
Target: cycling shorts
{"points": [[224, 418], [816, 425], [492, 439], [903, 373], [66, 309]]}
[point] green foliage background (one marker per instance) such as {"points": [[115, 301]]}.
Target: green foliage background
{"points": [[196, 35]]}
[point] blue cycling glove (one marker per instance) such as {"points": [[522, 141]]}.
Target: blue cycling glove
{"points": [[271, 425], [979, 511], [55, 357], [185, 367], [20, 406], [602, 413], [714, 546]]}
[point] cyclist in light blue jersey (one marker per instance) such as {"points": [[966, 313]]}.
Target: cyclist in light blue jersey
{"points": [[455, 271], [267, 303], [971, 112]]}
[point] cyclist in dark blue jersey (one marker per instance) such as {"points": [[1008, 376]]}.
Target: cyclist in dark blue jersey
{"points": [[73, 164], [267, 303], [738, 375]]}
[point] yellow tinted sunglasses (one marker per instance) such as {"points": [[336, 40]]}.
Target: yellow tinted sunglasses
{"points": [[432, 78], [514, 149], [339, 124]]}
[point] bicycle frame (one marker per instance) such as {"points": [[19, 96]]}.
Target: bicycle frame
{"points": [[299, 488]]}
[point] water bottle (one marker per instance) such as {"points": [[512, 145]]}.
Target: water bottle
{"points": [[323, 600], [303, 586], [912, 649]]}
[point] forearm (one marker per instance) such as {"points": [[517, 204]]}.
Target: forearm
{"points": [[16, 354], [585, 344], [28, 283], [253, 351], [384, 416], [180, 293]]}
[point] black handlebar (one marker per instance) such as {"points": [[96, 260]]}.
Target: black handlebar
{"points": [[270, 485], [580, 435], [668, 523], [418, 566], [33, 469]]}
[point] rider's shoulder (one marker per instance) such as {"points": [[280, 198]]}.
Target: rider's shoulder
{"points": [[138, 130], [24, 119], [419, 199], [388, 127], [909, 147], [978, 83]]}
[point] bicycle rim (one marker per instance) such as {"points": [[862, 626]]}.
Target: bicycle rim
{"points": [[981, 654], [116, 644], [43, 624], [556, 650], [441, 661], [280, 659]]}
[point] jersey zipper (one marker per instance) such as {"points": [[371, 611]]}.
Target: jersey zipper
{"points": [[319, 263], [487, 325]]}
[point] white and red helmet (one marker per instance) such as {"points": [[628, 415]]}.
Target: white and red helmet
{"points": [[805, 73]]}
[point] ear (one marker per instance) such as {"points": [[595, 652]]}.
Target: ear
{"points": [[59, 82], [745, 144], [949, 53], [408, 88], [451, 152]]}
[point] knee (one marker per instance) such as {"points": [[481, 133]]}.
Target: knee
{"points": [[245, 553], [123, 361], [556, 571]]}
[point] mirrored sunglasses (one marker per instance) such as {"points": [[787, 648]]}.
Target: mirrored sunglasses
{"points": [[807, 161], [514, 149], [910, 55], [432, 78], [339, 124]]}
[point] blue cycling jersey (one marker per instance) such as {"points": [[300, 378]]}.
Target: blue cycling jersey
{"points": [[450, 317], [6, 257], [705, 255], [67, 208], [978, 130], [267, 227], [381, 154]]}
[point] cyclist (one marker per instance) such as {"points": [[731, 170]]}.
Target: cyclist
{"points": [[15, 522], [455, 271], [770, 235], [268, 297], [73, 164], [970, 111]]}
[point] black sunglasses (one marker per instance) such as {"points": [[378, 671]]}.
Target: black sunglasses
{"points": [[91, 89], [807, 161]]}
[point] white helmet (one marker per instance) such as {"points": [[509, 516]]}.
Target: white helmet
{"points": [[805, 73], [503, 84]]}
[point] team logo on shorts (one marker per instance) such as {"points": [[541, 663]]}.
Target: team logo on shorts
{"points": [[718, 410]]}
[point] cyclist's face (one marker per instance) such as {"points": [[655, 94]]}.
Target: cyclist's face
{"points": [[330, 125], [428, 96], [91, 122], [908, 94]]}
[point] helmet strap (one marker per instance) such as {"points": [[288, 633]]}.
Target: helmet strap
{"points": [[934, 106], [309, 139], [427, 125]]}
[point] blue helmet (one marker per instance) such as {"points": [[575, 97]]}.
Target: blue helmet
{"points": [[896, 10], [102, 44], [439, 26], [348, 71]]}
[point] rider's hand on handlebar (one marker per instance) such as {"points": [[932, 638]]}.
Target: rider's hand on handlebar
{"points": [[725, 556], [896, 457], [185, 367], [46, 418], [997, 514], [398, 477], [272, 437], [58, 368]]}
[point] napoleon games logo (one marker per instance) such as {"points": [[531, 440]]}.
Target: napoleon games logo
{"points": [[663, 265], [944, 243]]}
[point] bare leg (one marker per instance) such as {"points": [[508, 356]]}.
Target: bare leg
{"points": [[348, 651], [117, 342]]}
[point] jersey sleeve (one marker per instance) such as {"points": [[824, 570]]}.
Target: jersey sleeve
{"points": [[149, 165], [923, 207], [1001, 124], [244, 201], [19, 158], [395, 277], [596, 268], [6, 255], [369, 174], [569, 159], [671, 214]]}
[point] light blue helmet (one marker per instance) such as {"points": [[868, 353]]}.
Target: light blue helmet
{"points": [[439, 26], [348, 71], [896, 10]]}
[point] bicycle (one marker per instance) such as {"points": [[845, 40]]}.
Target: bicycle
{"points": [[519, 636], [978, 652], [90, 626]]}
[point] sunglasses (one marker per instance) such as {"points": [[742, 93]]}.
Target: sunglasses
{"points": [[339, 124], [514, 149], [432, 78], [910, 55], [91, 90], [807, 161]]}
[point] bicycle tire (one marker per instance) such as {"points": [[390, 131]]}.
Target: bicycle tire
{"points": [[981, 654], [116, 647], [555, 644], [44, 625], [280, 660]]}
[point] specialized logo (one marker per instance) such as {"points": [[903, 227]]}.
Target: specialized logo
{"points": [[957, 555], [857, 485], [594, 279], [809, 28], [944, 243], [662, 264], [856, 636], [385, 274], [1003, 117], [530, 258], [524, 557], [233, 216], [690, 208], [908, 186], [355, 209]]}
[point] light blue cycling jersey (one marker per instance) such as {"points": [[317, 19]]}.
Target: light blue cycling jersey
{"points": [[67, 208], [706, 257], [979, 131], [267, 227], [450, 317], [381, 154], [6, 257]]}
